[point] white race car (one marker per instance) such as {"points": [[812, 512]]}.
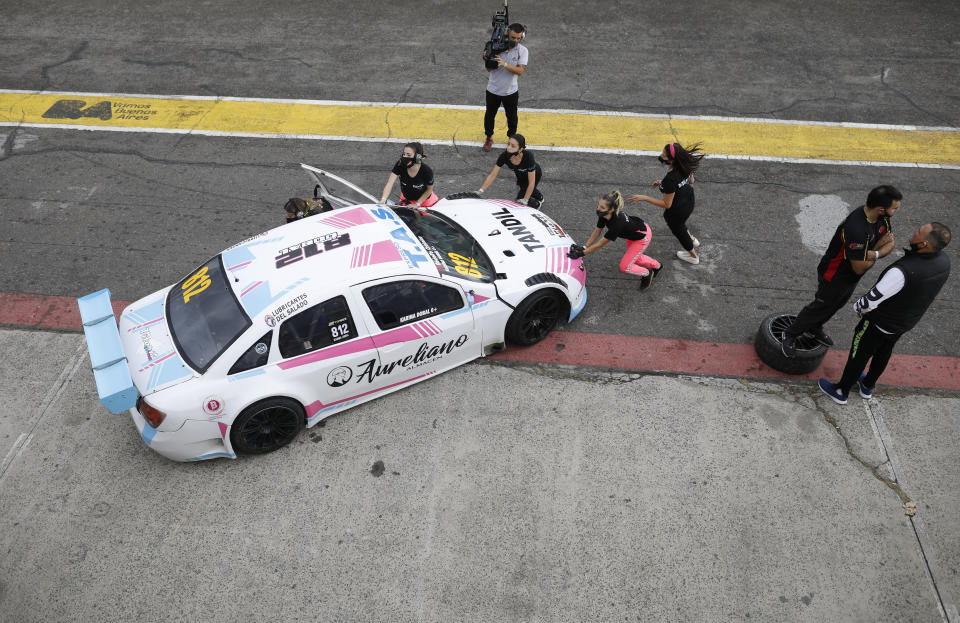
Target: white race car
{"points": [[313, 317]]}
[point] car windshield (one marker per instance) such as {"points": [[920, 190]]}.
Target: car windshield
{"points": [[205, 317], [451, 248]]}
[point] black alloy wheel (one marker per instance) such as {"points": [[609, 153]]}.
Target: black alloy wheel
{"points": [[769, 345], [534, 318], [267, 426]]}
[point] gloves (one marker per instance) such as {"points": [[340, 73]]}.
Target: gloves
{"points": [[576, 251], [522, 201]]}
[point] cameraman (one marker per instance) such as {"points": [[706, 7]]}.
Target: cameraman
{"points": [[502, 86]]}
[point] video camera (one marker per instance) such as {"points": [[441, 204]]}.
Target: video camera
{"points": [[499, 40]]}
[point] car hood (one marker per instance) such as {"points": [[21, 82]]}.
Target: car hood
{"points": [[148, 346], [519, 240]]}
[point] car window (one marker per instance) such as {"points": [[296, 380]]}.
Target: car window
{"points": [[255, 356], [204, 314], [402, 302], [452, 249], [315, 327]]}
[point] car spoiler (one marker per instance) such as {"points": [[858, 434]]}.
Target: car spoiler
{"points": [[323, 190], [114, 385]]}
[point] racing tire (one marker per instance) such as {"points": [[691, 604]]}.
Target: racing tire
{"points": [[267, 425], [534, 318], [768, 343]]}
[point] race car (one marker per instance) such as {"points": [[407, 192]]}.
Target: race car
{"points": [[308, 319]]}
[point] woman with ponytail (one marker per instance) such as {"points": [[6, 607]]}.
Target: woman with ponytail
{"points": [[632, 229], [678, 199]]}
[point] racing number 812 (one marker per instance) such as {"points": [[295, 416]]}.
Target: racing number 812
{"points": [[465, 265], [196, 284]]}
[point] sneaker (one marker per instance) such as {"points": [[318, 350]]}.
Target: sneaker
{"points": [[831, 390], [696, 243], [865, 392], [646, 281], [655, 271], [542, 201], [488, 144], [687, 257], [789, 346], [821, 337]]}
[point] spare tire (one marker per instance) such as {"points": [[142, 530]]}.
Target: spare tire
{"points": [[769, 341]]}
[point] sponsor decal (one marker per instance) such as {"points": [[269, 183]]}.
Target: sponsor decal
{"points": [[855, 245], [425, 354], [270, 320], [518, 229], [339, 376], [77, 109], [552, 228], [287, 309], [410, 251], [339, 329], [213, 406], [310, 248], [147, 339], [261, 348]]}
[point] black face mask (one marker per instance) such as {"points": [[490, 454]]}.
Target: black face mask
{"points": [[407, 161], [601, 214], [662, 161], [915, 246], [511, 44]]}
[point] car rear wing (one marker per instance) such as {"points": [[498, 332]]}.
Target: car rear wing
{"points": [[114, 385], [338, 199]]}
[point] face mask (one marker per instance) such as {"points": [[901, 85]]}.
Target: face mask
{"points": [[601, 213], [662, 161], [511, 45], [407, 161], [915, 246]]}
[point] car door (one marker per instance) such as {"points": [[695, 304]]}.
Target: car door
{"points": [[323, 350], [420, 325]]}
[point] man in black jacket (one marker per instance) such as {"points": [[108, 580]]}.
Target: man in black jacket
{"points": [[860, 240], [891, 308]]}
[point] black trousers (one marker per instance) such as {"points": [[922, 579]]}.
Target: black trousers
{"points": [[830, 297], [869, 344], [509, 103], [676, 218], [523, 182]]}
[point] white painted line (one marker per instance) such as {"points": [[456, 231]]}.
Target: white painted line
{"points": [[562, 111], [454, 143]]}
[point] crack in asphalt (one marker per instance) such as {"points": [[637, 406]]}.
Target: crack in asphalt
{"points": [[160, 63], [241, 56], [45, 80], [883, 80]]}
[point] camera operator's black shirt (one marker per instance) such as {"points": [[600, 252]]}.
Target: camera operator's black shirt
{"points": [[522, 170], [623, 226], [412, 188], [851, 241], [680, 187]]}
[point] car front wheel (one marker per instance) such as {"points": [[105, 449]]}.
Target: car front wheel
{"points": [[534, 318], [267, 426]]}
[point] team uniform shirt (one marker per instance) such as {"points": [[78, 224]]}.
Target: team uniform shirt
{"points": [[412, 188], [623, 226], [502, 81], [522, 170], [681, 188], [854, 237]]}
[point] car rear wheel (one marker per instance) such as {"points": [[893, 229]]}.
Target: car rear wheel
{"points": [[267, 426], [534, 318], [769, 341]]}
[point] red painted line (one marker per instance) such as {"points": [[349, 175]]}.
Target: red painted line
{"points": [[619, 352], [625, 352]]}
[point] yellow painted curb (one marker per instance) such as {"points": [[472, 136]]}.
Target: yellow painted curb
{"points": [[794, 140]]}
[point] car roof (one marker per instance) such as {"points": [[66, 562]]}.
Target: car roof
{"points": [[355, 244]]}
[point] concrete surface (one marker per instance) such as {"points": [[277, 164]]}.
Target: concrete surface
{"points": [[576, 495]]}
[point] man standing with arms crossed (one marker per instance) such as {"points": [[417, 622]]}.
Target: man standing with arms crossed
{"points": [[891, 308], [502, 88], [861, 239]]}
